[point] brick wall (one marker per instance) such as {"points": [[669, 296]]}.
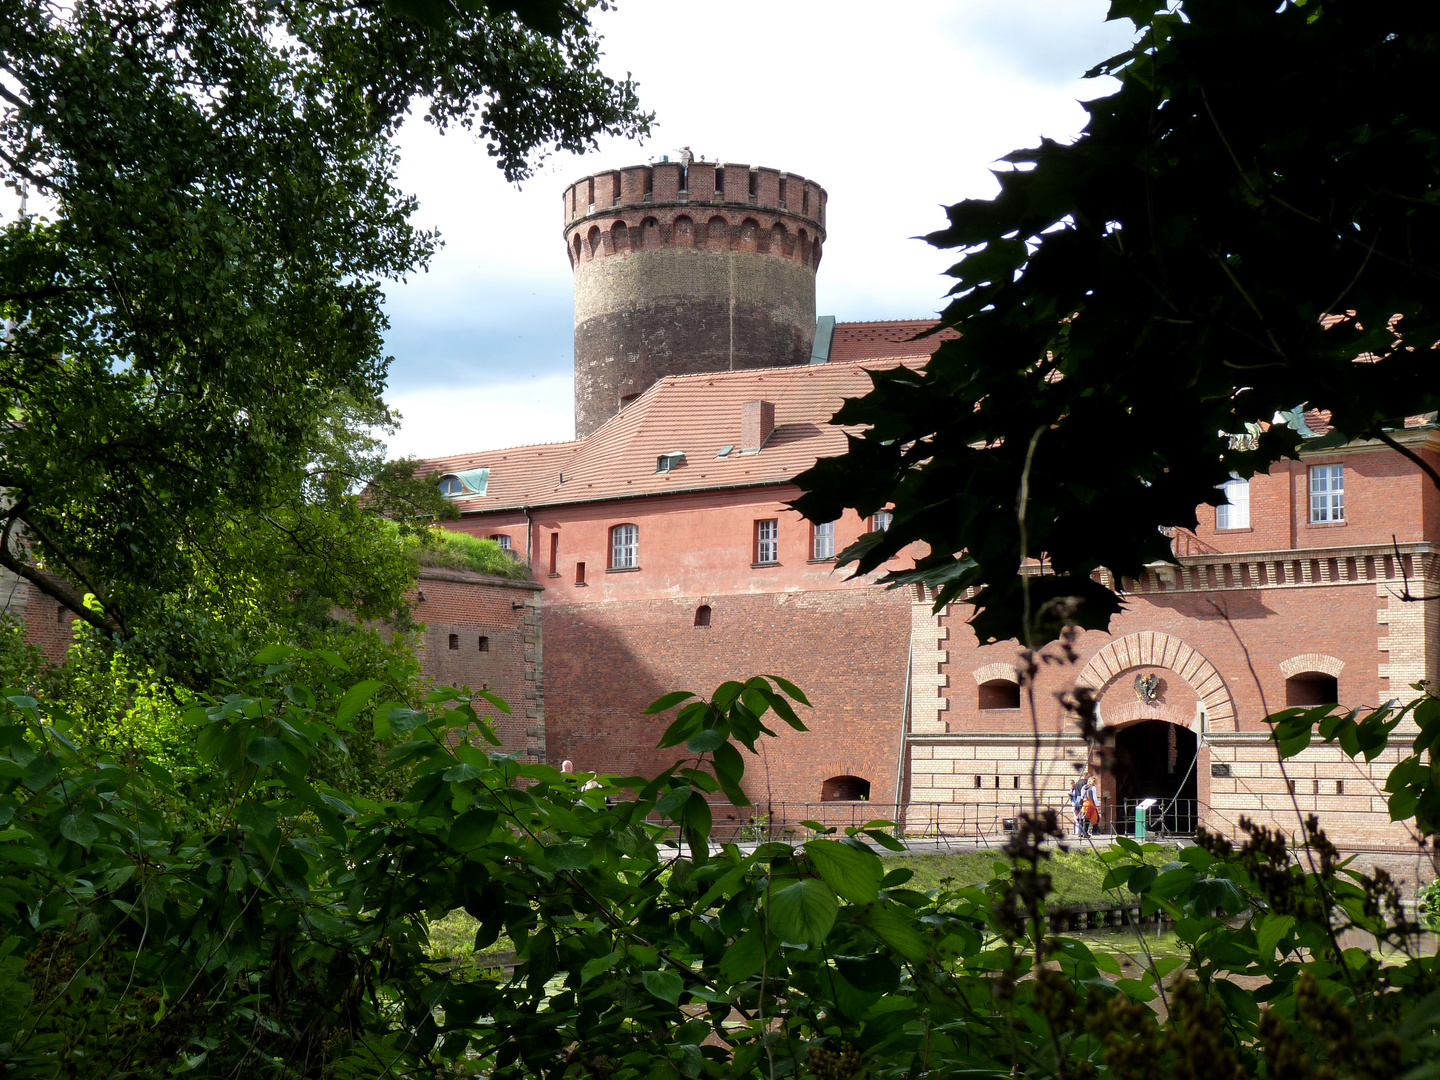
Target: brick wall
{"points": [[47, 625], [1222, 635], [458, 612], [845, 648]]}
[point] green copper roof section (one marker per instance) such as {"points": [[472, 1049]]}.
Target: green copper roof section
{"points": [[824, 335]]}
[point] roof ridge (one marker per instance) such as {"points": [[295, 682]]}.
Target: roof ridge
{"points": [[742, 372], [876, 322]]}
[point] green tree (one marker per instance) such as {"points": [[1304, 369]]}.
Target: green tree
{"points": [[193, 313], [287, 934], [1132, 302]]}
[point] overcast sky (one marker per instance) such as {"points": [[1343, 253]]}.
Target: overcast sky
{"points": [[897, 110]]}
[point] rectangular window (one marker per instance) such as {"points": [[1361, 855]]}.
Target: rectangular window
{"points": [[555, 553], [767, 541], [823, 544], [1327, 493], [624, 547], [1234, 513], [880, 520], [502, 540], [579, 573]]}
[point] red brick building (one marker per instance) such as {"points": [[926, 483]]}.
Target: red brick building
{"points": [[668, 560], [1291, 595]]}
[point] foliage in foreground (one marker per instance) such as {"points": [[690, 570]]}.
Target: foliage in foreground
{"points": [[1130, 298], [289, 938]]}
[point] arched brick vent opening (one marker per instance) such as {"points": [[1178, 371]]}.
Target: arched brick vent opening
{"points": [[999, 694], [702, 615], [845, 789], [1311, 688]]}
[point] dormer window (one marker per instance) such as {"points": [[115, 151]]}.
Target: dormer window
{"points": [[460, 485], [669, 461]]}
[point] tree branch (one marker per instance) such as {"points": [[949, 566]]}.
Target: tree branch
{"points": [[51, 586]]}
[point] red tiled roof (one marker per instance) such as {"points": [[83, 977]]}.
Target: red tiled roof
{"points": [[887, 338], [1318, 421], [695, 414]]}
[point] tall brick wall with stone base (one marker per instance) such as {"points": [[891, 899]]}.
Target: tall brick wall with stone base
{"points": [[486, 633], [1218, 640], [847, 649]]}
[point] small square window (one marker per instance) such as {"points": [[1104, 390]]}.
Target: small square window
{"points": [[880, 521], [767, 541], [503, 540], [1327, 493]]}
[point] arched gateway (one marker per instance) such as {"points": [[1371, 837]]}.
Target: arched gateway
{"points": [[1155, 753]]}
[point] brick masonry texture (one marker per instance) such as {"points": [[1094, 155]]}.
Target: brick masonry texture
{"points": [[673, 277], [1222, 631], [462, 608], [845, 648], [48, 626]]}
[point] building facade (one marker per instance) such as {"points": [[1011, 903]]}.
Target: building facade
{"points": [[669, 559]]}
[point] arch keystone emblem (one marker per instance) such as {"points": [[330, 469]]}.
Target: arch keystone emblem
{"points": [[1152, 648]]}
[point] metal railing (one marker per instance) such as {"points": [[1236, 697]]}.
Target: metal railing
{"points": [[938, 822], [1178, 817], [943, 822]]}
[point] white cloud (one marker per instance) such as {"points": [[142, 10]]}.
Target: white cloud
{"points": [[896, 112], [467, 419]]}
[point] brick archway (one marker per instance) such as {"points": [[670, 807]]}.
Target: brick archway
{"points": [[1154, 649]]}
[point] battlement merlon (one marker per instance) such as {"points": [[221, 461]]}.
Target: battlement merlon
{"points": [[705, 183]]}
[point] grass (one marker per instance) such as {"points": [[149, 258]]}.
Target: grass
{"points": [[1077, 876], [446, 549]]}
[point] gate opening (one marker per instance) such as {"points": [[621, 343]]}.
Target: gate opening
{"points": [[1155, 760]]}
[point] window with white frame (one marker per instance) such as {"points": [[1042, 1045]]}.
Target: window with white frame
{"points": [[624, 547], [880, 520], [503, 540], [1234, 512], [822, 545], [767, 541], [1327, 493]]}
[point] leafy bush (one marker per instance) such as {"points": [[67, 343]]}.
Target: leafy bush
{"points": [[288, 937]]}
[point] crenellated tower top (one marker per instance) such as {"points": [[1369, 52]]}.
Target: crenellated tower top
{"points": [[691, 268], [717, 206]]}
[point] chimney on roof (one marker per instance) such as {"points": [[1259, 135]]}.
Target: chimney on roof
{"points": [[757, 424]]}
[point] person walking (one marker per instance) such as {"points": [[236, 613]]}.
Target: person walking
{"points": [[1077, 804], [1089, 804]]}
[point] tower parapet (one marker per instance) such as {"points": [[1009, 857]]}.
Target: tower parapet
{"points": [[681, 269]]}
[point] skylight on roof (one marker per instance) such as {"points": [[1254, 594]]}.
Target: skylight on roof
{"points": [[725, 451]]}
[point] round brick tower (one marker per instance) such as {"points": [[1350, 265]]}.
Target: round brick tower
{"points": [[692, 268]]}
